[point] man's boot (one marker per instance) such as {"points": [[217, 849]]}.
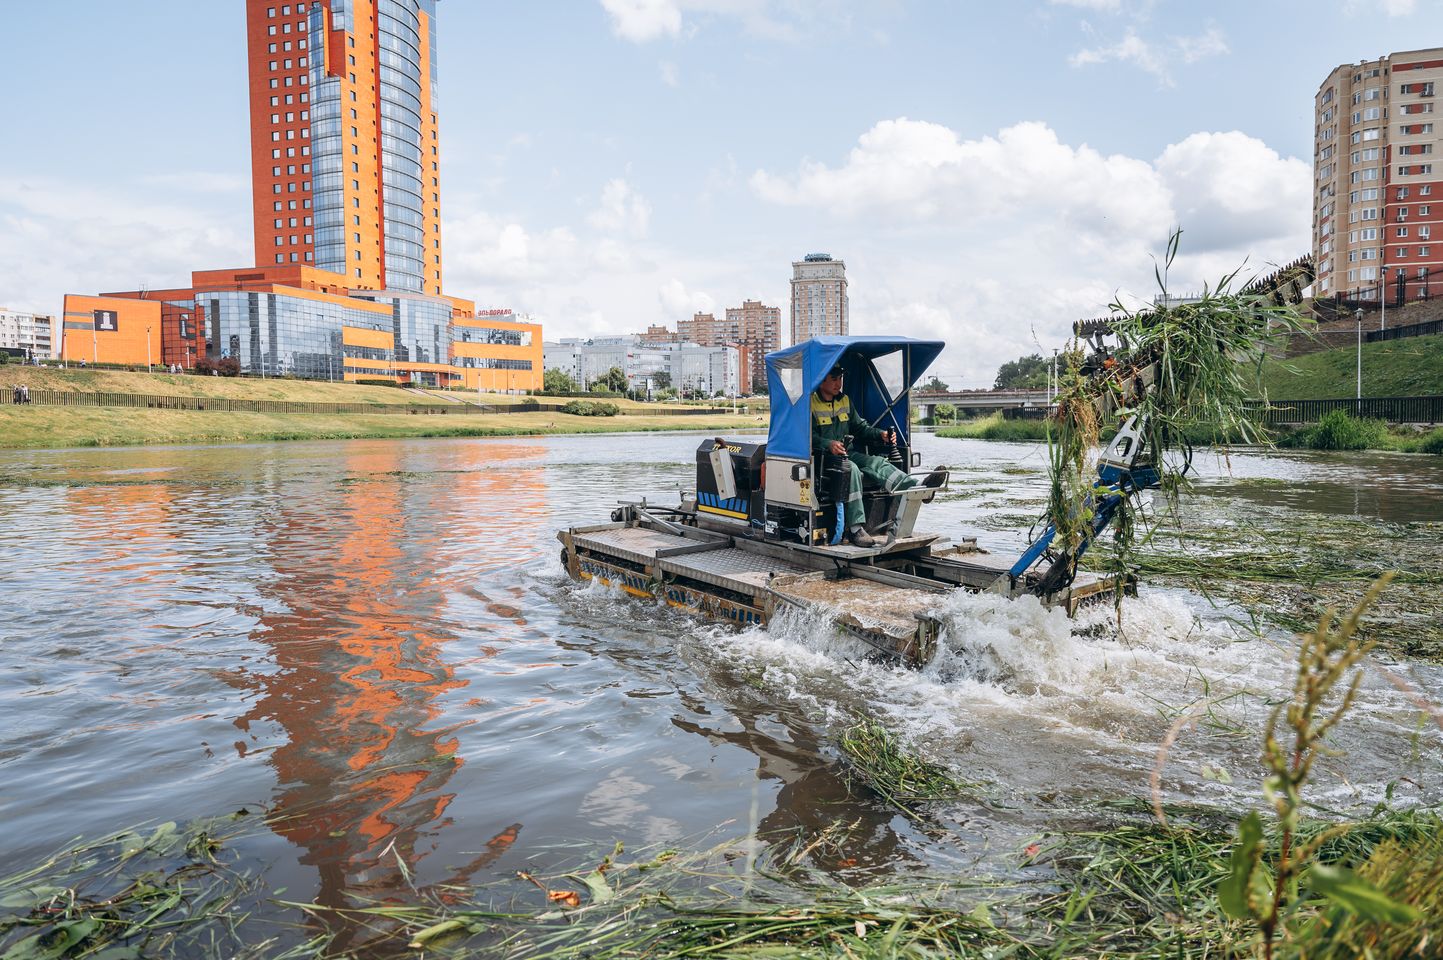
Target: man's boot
{"points": [[936, 478], [859, 537]]}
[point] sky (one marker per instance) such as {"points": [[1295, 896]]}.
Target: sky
{"points": [[989, 171]]}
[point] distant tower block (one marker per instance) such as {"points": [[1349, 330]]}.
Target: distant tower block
{"points": [[819, 297]]}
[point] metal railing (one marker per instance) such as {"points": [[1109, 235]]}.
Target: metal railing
{"points": [[1411, 330], [62, 398], [1389, 409]]}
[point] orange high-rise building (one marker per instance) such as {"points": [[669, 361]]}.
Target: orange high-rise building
{"points": [[345, 157]]}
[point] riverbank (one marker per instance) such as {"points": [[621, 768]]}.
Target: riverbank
{"points": [[38, 427], [1337, 431]]}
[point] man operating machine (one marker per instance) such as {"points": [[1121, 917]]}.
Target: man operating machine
{"points": [[833, 427]]}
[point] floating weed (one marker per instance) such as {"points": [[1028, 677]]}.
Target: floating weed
{"points": [[130, 895], [902, 779], [1135, 889]]}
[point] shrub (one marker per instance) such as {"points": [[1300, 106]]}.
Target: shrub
{"points": [[1341, 431], [1432, 442], [228, 367], [591, 408], [4, 359]]}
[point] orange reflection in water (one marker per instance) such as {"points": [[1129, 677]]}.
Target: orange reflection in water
{"points": [[359, 648]]}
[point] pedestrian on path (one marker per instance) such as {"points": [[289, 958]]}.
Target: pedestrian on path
{"points": [[25, 393]]}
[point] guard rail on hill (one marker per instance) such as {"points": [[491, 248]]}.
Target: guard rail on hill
{"points": [[1390, 409], [62, 398], [1411, 330]]}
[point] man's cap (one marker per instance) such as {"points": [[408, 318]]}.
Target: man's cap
{"points": [[836, 371]]}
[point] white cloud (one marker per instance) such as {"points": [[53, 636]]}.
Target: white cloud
{"points": [[1210, 44], [670, 74], [1392, 8], [680, 302], [57, 237], [1000, 242], [643, 20], [1105, 6], [622, 210], [1153, 57], [909, 170]]}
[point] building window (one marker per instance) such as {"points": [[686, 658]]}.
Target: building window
{"points": [[280, 241], [1401, 232]]}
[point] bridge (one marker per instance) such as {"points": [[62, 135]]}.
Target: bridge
{"points": [[980, 400]]}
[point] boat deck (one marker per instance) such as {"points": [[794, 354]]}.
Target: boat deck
{"points": [[884, 596]]}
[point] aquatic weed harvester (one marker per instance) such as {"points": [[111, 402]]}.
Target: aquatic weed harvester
{"points": [[763, 531]]}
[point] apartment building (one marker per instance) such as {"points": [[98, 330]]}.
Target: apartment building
{"points": [[33, 333], [819, 297], [1376, 205]]}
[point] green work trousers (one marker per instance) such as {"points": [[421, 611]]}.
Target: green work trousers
{"points": [[879, 471]]}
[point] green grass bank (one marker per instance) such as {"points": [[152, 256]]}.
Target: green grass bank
{"points": [[1412, 367]]}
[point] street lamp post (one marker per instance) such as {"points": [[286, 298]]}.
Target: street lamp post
{"points": [[1358, 317], [1056, 387], [1383, 296], [147, 351]]}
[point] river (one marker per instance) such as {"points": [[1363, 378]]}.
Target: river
{"points": [[374, 640]]}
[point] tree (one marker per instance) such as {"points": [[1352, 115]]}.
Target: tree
{"points": [[1025, 373], [557, 381], [934, 386], [660, 380], [944, 411], [614, 381]]}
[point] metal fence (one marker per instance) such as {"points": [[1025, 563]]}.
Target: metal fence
{"points": [[1390, 409], [63, 398], [1411, 330]]}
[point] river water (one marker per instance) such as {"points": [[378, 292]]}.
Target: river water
{"points": [[375, 641]]}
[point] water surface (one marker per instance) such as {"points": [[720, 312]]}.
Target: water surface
{"points": [[374, 640]]}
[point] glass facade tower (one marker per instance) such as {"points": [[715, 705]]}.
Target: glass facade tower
{"points": [[345, 152]]}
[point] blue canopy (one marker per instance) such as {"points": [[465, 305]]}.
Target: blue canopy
{"points": [[879, 371]]}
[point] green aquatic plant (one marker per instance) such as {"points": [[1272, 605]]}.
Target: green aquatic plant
{"points": [[902, 779], [1284, 891], [1183, 372]]}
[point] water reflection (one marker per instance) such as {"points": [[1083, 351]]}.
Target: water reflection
{"points": [[359, 664]]}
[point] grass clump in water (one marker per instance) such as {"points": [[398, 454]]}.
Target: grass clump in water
{"points": [[902, 779]]}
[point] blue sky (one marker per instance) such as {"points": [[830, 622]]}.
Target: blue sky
{"points": [[989, 171]]}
